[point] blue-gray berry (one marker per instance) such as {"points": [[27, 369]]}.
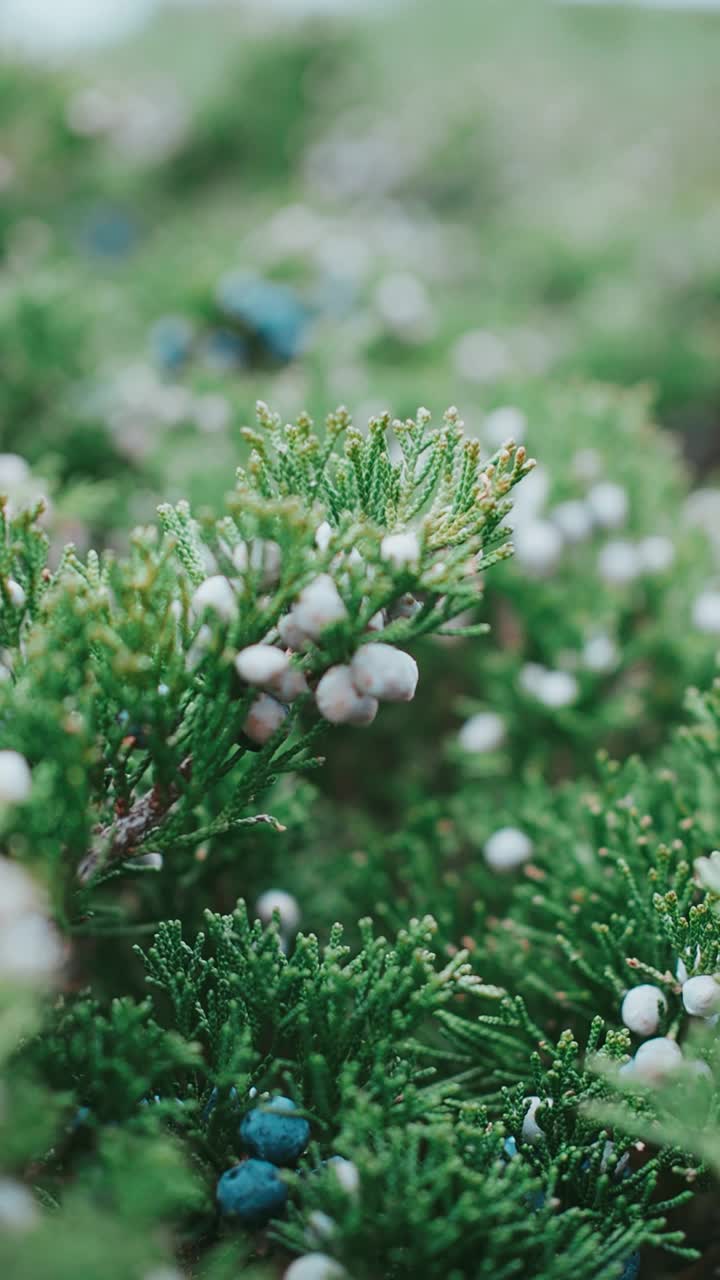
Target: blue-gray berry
{"points": [[273, 1132], [251, 1192]]}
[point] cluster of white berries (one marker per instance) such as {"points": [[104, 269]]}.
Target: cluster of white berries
{"points": [[540, 540], [621, 561], [346, 693], [507, 848], [643, 1008], [30, 949]]}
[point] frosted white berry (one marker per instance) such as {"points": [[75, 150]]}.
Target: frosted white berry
{"points": [[507, 848], [215, 593], [14, 472], [262, 557], [261, 664], [706, 612], [339, 701], [30, 949], [619, 563], [318, 606], [401, 549], [642, 1009], [150, 861], [320, 1227], [384, 672], [482, 732], [657, 553], [284, 903], [600, 654], [264, 719], [289, 685], [15, 778], [701, 996], [707, 871], [18, 1210], [574, 520], [18, 891], [16, 594], [609, 504], [323, 536], [531, 1131], [346, 1173], [292, 636], [538, 547], [315, 1266], [504, 424], [530, 678], [656, 1059], [557, 689]]}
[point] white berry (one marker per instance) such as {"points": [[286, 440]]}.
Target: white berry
{"points": [[538, 547], [18, 1209], [287, 907], [323, 536], [609, 504], [558, 689], [504, 424], [600, 654], [315, 1266], [384, 672], [531, 1131], [657, 553], [482, 732], [574, 520], [347, 1174], [507, 848], [263, 558], [642, 1009], [701, 996], [339, 702], [401, 549], [264, 719], [16, 594], [706, 612], [619, 563], [261, 664], [656, 1059], [292, 636], [217, 594], [18, 891], [15, 778], [318, 606]]}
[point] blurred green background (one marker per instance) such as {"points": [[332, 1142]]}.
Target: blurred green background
{"points": [[382, 206]]}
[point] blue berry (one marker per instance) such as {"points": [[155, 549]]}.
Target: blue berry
{"points": [[251, 1192], [510, 1147], [171, 341], [225, 350], [109, 232], [632, 1267], [270, 312], [273, 1132], [212, 1102]]}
